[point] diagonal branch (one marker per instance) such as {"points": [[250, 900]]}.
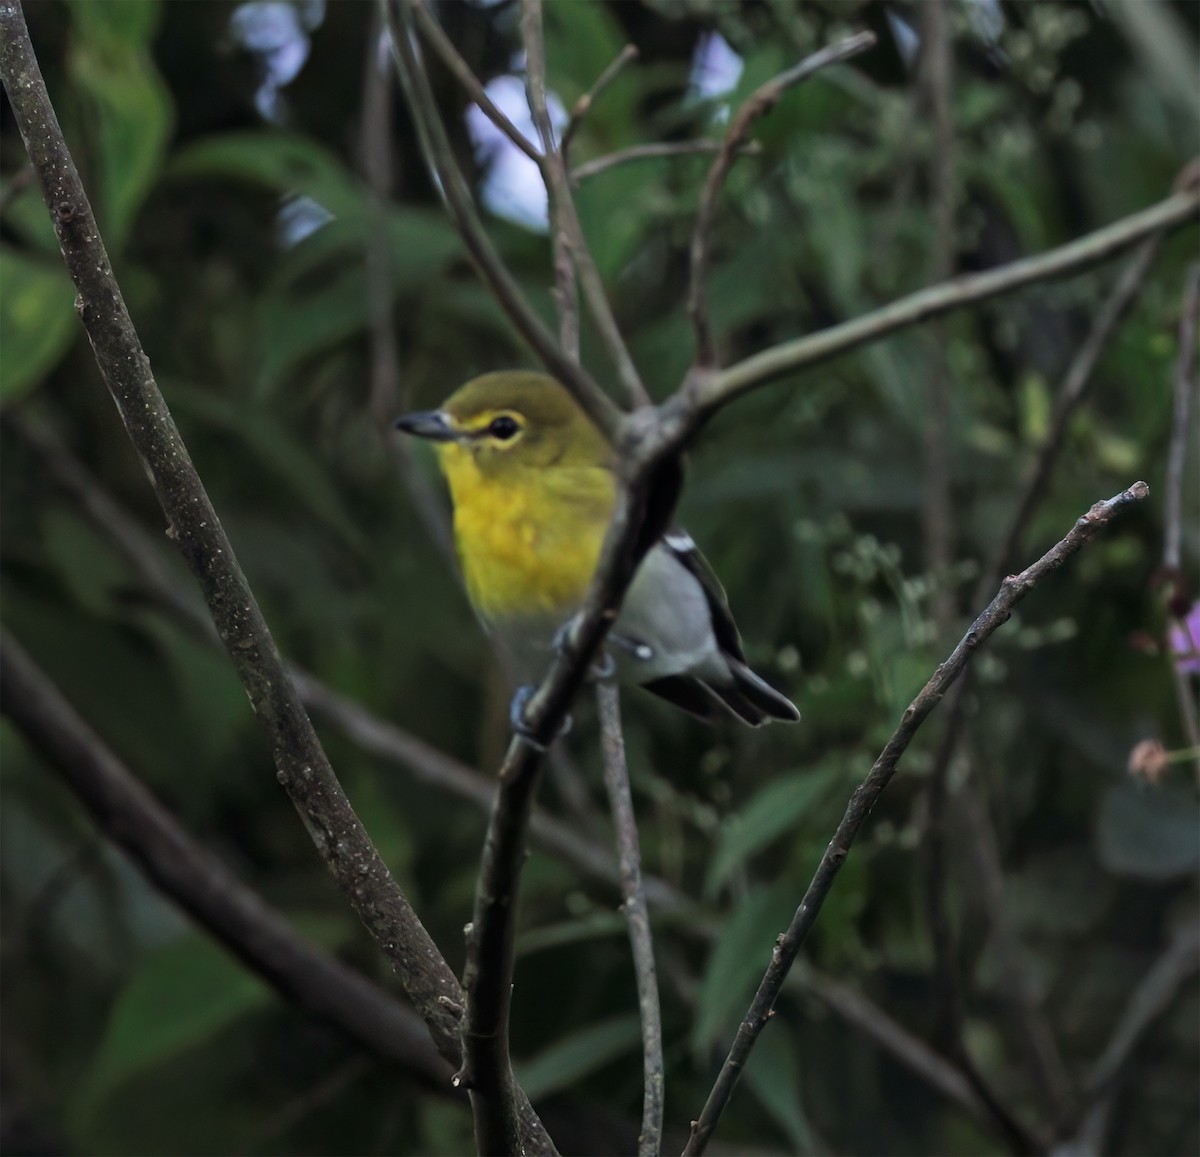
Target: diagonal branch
{"points": [[759, 104], [302, 766], [1012, 590]]}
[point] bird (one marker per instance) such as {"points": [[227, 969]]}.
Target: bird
{"points": [[533, 484]]}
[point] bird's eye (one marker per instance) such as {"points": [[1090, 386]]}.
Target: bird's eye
{"points": [[503, 427]]}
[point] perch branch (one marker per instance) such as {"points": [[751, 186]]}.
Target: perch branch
{"points": [[620, 799], [1012, 590], [759, 104], [301, 764], [192, 877]]}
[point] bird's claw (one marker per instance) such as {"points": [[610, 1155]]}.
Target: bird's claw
{"points": [[603, 668], [516, 718], [562, 637]]}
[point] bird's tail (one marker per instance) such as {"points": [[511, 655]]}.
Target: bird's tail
{"points": [[753, 698], [747, 696]]}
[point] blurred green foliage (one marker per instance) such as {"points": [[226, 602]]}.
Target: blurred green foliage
{"points": [[125, 1032]]}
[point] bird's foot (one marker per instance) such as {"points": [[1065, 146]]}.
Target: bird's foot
{"points": [[560, 644], [604, 668], [516, 719]]}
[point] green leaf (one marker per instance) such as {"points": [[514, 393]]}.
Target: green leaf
{"points": [[574, 1057], [599, 925], [296, 327], [37, 319], [737, 962], [130, 106], [85, 561], [284, 162], [115, 24], [178, 999], [773, 1076], [277, 451], [775, 809]]}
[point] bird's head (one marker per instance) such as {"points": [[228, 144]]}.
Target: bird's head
{"points": [[511, 420]]}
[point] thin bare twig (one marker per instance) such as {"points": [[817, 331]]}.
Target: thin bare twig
{"points": [[583, 105], [564, 219], [439, 158], [301, 763], [712, 390], [616, 782], [760, 103], [190, 876], [655, 151], [437, 39], [1012, 590]]}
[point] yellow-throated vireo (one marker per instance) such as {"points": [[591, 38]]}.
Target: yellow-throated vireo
{"points": [[532, 482]]}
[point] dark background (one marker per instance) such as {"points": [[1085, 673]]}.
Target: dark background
{"points": [[127, 1031]]}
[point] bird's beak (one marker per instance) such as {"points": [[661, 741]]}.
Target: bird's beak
{"points": [[431, 424]]}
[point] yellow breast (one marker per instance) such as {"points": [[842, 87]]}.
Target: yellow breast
{"points": [[528, 540]]}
